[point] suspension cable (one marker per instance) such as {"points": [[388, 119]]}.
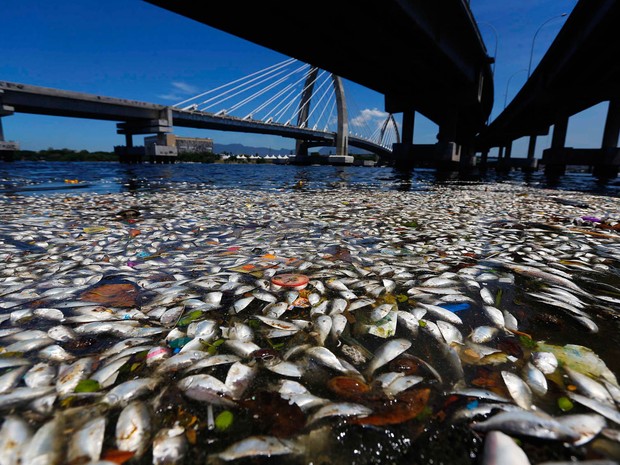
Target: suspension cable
{"points": [[277, 65]]}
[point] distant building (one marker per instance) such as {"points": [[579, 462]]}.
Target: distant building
{"points": [[182, 144]]}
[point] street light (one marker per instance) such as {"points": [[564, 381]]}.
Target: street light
{"points": [[529, 68], [508, 83], [496, 41]]}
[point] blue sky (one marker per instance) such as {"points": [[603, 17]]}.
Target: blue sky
{"points": [[132, 49]]}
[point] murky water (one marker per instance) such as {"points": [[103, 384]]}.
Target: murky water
{"points": [[49, 177]]}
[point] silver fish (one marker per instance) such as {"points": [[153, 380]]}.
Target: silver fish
{"points": [[207, 388], [256, 446], [14, 436], [501, 449], [526, 423], [134, 428], [124, 393], [169, 446], [339, 409], [587, 426], [386, 353], [46, 444], [326, 358], [87, 442]]}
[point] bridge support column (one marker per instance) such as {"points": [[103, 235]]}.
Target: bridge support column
{"points": [[128, 153], [503, 164], [162, 150], [484, 158], [553, 158], [607, 168], [448, 151], [342, 156], [301, 153], [7, 148], [532, 164], [403, 153], [467, 162]]}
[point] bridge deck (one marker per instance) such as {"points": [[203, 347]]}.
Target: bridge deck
{"points": [[580, 69], [422, 55]]}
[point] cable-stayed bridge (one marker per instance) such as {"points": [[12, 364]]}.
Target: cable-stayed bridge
{"points": [[289, 99]]}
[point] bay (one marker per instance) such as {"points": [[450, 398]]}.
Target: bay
{"points": [[44, 178]]}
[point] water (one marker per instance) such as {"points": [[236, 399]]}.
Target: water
{"points": [[44, 178], [375, 217]]}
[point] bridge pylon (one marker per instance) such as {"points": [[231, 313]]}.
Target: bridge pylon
{"points": [[7, 148], [342, 156]]}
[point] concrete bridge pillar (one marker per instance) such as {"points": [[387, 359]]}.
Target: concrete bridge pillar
{"points": [[403, 152], [467, 162], [448, 152], [503, 164], [163, 150], [610, 156], [532, 164], [484, 158], [7, 148], [555, 164]]}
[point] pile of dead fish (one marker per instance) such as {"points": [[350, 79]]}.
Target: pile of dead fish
{"points": [[460, 325]]}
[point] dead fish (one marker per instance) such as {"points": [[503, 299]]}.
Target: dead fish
{"points": [[22, 395], [450, 333], [339, 409], [239, 378], [257, 446], [589, 387], [386, 353], [11, 378], [611, 413], [526, 423], [326, 358], [87, 441], [207, 388], [15, 434], [483, 334], [501, 449], [409, 321], [298, 394], [518, 389], [555, 278], [546, 362], [46, 444], [169, 446], [587, 426], [124, 393], [134, 428], [70, 376], [323, 325], [535, 379]]}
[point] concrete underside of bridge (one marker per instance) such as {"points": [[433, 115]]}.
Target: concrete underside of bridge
{"points": [[581, 69], [422, 55]]}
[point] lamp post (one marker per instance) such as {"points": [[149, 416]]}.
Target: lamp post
{"points": [[496, 41], [508, 83], [529, 68]]}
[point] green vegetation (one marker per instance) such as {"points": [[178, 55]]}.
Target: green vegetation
{"points": [[202, 157], [65, 154], [52, 154]]}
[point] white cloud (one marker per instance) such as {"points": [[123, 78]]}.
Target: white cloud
{"points": [[184, 87], [372, 118], [180, 91]]}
